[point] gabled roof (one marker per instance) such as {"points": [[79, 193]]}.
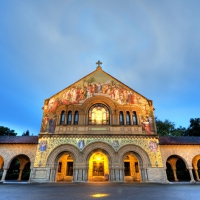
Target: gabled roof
{"points": [[18, 139], [98, 69], [181, 140]]}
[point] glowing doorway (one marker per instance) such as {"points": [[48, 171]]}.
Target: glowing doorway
{"points": [[98, 167], [65, 168], [131, 168]]}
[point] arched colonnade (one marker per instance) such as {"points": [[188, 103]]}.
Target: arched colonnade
{"points": [[86, 166]]}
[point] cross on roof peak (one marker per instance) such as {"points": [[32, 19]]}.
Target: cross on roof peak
{"points": [[99, 63]]}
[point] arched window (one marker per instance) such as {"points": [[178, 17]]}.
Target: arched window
{"points": [[128, 121], [76, 118], [121, 118], [62, 117], [99, 115], [135, 121], [69, 117]]}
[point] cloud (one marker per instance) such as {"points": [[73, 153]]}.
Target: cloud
{"points": [[152, 46]]}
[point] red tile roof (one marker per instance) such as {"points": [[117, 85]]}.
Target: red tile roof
{"points": [[163, 140], [18, 139], [182, 140]]}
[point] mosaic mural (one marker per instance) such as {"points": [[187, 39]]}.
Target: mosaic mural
{"points": [[149, 145], [49, 123], [95, 84], [98, 83]]}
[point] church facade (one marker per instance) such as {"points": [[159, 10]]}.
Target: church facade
{"points": [[99, 129]]}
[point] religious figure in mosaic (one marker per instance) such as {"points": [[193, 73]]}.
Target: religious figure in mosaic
{"points": [[81, 144], [115, 143], [153, 146], [43, 145]]}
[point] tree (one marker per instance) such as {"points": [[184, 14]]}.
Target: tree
{"points": [[194, 128], [5, 131], [168, 128], [26, 133], [164, 128]]}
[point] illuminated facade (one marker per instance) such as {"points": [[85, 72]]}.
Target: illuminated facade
{"points": [[99, 129], [105, 127]]}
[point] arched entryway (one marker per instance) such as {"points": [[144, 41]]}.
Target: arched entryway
{"points": [[177, 169], [98, 158], [65, 165], [196, 167], [137, 160], [19, 168], [131, 167], [98, 167], [63, 160]]}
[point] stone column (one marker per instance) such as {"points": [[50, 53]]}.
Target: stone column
{"points": [[53, 177], [191, 175], [121, 175], [143, 174], [124, 118], [175, 176], [111, 177], [20, 174], [197, 174], [80, 174], [131, 118], [117, 117], [76, 175], [65, 117], [58, 120], [4, 175], [72, 123], [86, 174], [172, 162]]}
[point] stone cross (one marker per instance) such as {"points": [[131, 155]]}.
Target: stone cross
{"points": [[99, 63]]}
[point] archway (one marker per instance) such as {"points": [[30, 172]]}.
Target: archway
{"points": [[1, 166], [56, 154], [65, 165], [98, 167], [196, 167], [19, 168], [139, 161], [176, 169], [109, 156], [131, 167]]}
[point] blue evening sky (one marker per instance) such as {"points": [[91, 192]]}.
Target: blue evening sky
{"points": [[153, 46]]}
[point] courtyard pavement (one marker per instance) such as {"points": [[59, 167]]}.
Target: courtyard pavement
{"points": [[108, 191]]}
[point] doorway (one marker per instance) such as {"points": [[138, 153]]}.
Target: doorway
{"points": [[131, 168], [98, 167], [65, 168]]}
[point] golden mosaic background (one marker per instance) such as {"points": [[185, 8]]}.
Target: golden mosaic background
{"points": [[53, 142]]}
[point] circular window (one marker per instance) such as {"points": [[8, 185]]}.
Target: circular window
{"points": [[99, 115]]}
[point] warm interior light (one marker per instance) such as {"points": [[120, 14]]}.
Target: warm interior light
{"points": [[99, 195], [98, 158]]}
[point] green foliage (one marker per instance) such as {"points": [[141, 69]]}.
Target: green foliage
{"points": [[26, 133], [168, 128], [194, 128], [5, 131]]}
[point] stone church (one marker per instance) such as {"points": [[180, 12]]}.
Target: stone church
{"points": [[99, 129]]}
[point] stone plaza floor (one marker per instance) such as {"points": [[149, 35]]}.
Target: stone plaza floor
{"points": [[103, 190]]}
